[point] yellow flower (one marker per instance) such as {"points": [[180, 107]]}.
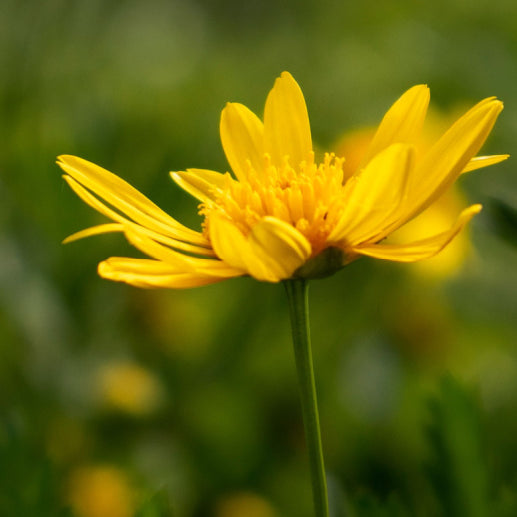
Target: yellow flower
{"points": [[285, 215], [244, 504], [436, 218], [129, 387], [100, 491]]}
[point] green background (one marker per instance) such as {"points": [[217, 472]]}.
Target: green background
{"points": [[417, 378]]}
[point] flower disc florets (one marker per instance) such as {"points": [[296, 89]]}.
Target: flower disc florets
{"points": [[309, 198]]}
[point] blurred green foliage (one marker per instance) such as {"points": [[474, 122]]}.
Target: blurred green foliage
{"points": [[505, 220], [157, 505], [138, 87]]}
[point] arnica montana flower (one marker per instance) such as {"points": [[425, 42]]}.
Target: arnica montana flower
{"points": [[283, 214]]}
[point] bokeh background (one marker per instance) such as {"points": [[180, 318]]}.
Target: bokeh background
{"points": [[118, 402]]}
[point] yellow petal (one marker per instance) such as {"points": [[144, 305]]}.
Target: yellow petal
{"points": [[206, 267], [96, 204], [375, 196], [229, 244], [157, 251], [287, 130], [242, 136], [125, 198], [402, 122], [422, 249], [95, 230], [234, 249], [270, 253], [184, 263], [142, 265], [444, 162], [154, 274], [200, 183], [484, 161], [279, 246]]}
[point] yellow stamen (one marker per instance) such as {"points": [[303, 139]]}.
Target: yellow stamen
{"points": [[309, 197]]}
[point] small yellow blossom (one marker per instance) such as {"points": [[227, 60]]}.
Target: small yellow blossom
{"points": [[244, 504], [436, 218], [130, 388], [100, 491], [283, 214]]}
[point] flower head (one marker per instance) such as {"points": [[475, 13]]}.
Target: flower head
{"points": [[284, 214]]}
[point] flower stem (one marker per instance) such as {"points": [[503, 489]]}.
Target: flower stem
{"points": [[297, 293]]}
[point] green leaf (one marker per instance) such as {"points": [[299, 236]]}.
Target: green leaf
{"points": [[457, 468], [369, 506], [504, 218], [157, 505]]}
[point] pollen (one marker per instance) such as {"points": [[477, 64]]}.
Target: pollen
{"points": [[309, 197]]}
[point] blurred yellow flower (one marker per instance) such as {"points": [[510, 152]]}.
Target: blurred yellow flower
{"points": [[130, 388], [434, 219], [100, 491], [244, 504], [284, 215]]}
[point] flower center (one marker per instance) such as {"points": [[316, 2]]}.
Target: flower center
{"points": [[309, 198]]}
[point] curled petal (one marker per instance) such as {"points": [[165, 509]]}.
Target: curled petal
{"points": [[271, 252], [95, 230], [234, 248], [422, 249], [280, 246], [200, 183], [229, 244]]}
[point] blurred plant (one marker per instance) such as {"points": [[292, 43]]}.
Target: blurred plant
{"points": [[28, 479], [458, 468], [505, 220], [157, 505], [457, 472], [237, 505], [288, 218], [368, 506]]}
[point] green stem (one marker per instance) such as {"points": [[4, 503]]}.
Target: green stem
{"points": [[297, 293]]}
